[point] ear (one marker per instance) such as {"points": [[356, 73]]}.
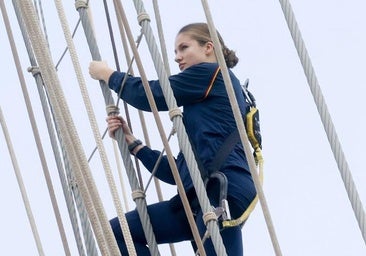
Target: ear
{"points": [[209, 48]]}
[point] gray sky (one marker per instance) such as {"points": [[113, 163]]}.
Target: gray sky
{"points": [[307, 200]]}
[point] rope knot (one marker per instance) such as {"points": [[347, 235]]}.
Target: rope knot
{"points": [[34, 70], [174, 112], [80, 4], [142, 17], [208, 216], [73, 183], [136, 194], [112, 110]]}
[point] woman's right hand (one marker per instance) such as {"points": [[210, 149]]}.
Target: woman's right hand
{"points": [[99, 70]]}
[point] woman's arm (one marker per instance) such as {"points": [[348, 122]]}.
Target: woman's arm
{"points": [[147, 156], [189, 86]]}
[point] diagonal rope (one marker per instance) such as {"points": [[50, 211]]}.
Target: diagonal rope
{"points": [[78, 162], [138, 195], [35, 132], [166, 64], [130, 71], [67, 193], [21, 183], [210, 217], [325, 117], [96, 132], [141, 115], [178, 124], [153, 107], [161, 36], [241, 129]]}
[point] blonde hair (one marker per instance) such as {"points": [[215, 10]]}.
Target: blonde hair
{"points": [[201, 33]]}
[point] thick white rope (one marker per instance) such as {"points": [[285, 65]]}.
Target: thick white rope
{"points": [[241, 129], [165, 142], [72, 143], [68, 194], [179, 126], [95, 128], [120, 137], [141, 114], [325, 117], [36, 132]]}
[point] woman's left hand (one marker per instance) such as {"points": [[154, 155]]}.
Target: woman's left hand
{"points": [[116, 122]]}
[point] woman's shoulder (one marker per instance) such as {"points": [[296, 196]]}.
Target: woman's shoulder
{"points": [[204, 66], [196, 73], [208, 68], [201, 71]]}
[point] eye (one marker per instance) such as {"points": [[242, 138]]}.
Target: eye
{"points": [[183, 47]]}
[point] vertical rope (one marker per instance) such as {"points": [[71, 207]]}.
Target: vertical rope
{"points": [[325, 117]]}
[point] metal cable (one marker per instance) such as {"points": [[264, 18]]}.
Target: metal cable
{"points": [[120, 137], [325, 117]]}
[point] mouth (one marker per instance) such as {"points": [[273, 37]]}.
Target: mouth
{"points": [[181, 66]]}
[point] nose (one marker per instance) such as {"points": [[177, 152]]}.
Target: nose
{"points": [[178, 58]]}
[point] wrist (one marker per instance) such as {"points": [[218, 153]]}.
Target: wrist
{"points": [[135, 146], [130, 138], [107, 74]]}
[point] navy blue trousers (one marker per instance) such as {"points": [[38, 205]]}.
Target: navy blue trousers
{"points": [[170, 225]]}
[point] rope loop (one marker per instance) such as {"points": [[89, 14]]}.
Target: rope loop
{"points": [[80, 4], [174, 112], [34, 70], [142, 17], [208, 216], [112, 110], [136, 194]]}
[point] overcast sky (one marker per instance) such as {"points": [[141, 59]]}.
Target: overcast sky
{"points": [[310, 209]]}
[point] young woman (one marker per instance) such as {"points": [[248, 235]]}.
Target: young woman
{"points": [[208, 120]]}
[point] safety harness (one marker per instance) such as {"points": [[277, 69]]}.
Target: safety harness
{"points": [[252, 126]]}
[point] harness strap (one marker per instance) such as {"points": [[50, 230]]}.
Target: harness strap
{"points": [[225, 150]]}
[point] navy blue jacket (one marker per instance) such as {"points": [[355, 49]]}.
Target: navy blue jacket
{"points": [[208, 120]]}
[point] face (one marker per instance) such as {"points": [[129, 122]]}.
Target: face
{"points": [[188, 52]]}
